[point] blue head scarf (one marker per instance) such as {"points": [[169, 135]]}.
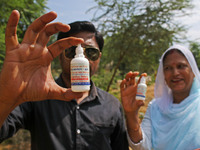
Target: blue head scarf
{"points": [[176, 126]]}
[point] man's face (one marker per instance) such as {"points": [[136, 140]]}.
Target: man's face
{"points": [[89, 40]]}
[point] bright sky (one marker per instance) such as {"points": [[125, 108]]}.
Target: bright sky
{"points": [[193, 22], [74, 10], [71, 10]]}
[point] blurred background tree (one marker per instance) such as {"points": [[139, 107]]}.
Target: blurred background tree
{"points": [[29, 11], [195, 48], [137, 32]]}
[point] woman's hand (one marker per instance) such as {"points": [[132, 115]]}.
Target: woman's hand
{"points": [[128, 90], [131, 106]]}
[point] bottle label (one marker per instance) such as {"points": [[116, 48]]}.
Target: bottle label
{"points": [[80, 74], [141, 91]]}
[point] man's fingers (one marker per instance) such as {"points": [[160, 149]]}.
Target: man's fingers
{"points": [[35, 28], [60, 45], [69, 95], [11, 31], [58, 92], [49, 30]]}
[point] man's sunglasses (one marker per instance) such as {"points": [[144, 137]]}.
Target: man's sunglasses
{"points": [[90, 52]]}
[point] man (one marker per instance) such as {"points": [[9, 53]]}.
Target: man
{"points": [[63, 120]]}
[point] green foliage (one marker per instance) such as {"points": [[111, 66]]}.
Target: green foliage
{"points": [[55, 64], [2, 46], [55, 68], [102, 78], [195, 49], [137, 32], [29, 11]]}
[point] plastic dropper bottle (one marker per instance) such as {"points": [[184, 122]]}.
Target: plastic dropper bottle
{"points": [[80, 72], [141, 89]]}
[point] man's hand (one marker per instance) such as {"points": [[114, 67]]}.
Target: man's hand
{"points": [[26, 73]]}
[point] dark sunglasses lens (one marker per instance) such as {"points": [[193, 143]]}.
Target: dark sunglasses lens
{"points": [[70, 52], [92, 53]]}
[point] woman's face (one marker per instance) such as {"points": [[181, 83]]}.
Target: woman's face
{"points": [[178, 73]]}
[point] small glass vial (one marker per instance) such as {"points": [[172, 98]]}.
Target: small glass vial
{"points": [[141, 89], [80, 72]]}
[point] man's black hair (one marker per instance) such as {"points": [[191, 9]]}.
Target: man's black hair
{"points": [[81, 26]]}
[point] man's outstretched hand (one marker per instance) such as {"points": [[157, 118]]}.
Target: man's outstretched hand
{"points": [[26, 73]]}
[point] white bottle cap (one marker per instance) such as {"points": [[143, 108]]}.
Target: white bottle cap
{"points": [[79, 51]]}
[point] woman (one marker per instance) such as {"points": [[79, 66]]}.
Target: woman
{"points": [[172, 120]]}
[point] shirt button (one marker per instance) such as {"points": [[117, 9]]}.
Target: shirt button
{"points": [[78, 131], [77, 107]]}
